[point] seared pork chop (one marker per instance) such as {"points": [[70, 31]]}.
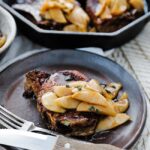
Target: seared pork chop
{"points": [[71, 122]]}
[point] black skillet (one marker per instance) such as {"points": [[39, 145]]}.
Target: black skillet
{"points": [[60, 39], [92, 65]]}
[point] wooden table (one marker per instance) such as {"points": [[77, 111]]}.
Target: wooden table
{"points": [[133, 56]]}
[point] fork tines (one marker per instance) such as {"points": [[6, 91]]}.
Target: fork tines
{"points": [[10, 120]]}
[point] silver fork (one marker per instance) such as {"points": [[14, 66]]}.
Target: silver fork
{"points": [[11, 121]]}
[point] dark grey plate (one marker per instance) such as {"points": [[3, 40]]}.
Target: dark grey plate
{"points": [[60, 39], [94, 66]]}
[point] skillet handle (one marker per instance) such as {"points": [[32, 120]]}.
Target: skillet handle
{"points": [[64, 143]]}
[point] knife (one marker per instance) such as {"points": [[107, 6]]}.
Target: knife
{"points": [[36, 141]]}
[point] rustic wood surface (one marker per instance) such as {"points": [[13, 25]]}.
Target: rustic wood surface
{"points": [[133, 56]]}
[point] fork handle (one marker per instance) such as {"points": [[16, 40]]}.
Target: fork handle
{"points": [[64, 143]]}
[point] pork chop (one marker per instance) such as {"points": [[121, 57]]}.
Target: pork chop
{"points": [[71, 122]]}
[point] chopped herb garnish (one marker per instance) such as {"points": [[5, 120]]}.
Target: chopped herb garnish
{"points": [[93, 109], [65, 122], [109, 89], [67, 86], [113, 86], [79, 88], [97, 111], [102, 85]]}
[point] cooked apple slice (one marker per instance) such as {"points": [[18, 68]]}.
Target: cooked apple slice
{"points": [[111, 91], [77, 83], [57, 15], [2, 41], [123, 96], [94, 85], [49, 102], [67, 102], [100, 7], [137, 4], [91, 97], [68, 6], [55, 108], [62, 90], [106, 14], [119, 7], [52, 10], [78, 17], [74, 28], [122, 104], [112, 122], [86, 107]]}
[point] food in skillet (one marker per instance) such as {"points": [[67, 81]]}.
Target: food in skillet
{"points": [[79, 16], [75, 105], [111, 15], [65, 15], [2, 39]]}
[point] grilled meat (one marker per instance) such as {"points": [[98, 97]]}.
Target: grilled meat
{"points": [[34, 81], [71, 122]]}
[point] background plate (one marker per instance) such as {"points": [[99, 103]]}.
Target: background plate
{"points": [[94, 66]]}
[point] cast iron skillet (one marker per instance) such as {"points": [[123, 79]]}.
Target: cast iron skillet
{"points": [[92, 65], [60, 39]]}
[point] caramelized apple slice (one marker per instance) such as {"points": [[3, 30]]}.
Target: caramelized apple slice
{"points": [[62, 91], [122, 104], [46, 15], [118, 7], [49, 102], [111, 90], [67, 102], [94, 85], [47, 5], [77, 83], [57, 15], [123, 96], [66, 6], [93, 29], [86, 107], [78, 17], [112, 122], [100, 7], [74, 28], [137, 4], [106, 14], [91, 97], [2, 41]]}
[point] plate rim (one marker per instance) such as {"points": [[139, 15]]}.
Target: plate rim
{"points": [[134, 139]]}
